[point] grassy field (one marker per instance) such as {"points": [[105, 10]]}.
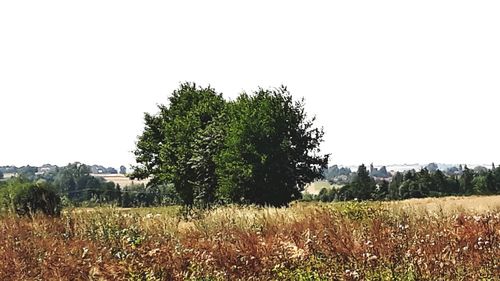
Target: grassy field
{"points": [[315, 187], [120, 179], [428, 239]]}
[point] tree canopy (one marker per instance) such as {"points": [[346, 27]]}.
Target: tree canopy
{"points": [[166, 149], [270, 150], [260, 148]]}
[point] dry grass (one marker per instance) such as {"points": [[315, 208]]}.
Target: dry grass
{"points": [[339, 241], [315, 187], [120, 179], [450, 205]]}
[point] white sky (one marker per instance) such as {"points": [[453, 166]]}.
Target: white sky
{"points": [[390, 81]]}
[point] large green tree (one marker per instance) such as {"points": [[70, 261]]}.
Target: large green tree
{"points": [[363, 186], [396, 182], [169, 150], [466, 184], [270, 150], [259, 149]]}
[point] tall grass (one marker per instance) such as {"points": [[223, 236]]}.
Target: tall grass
{"points": [[339, 241]]}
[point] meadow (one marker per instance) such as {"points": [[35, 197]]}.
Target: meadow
{"points": [[453, 238]]}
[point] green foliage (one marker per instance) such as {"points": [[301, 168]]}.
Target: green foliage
{"points": [[397, 179], [259, 149], [362, 186], [27, 172], [424, 183], [363, 210], [271, 149], [308, 197], [466, 185], [139, 195], [308, 271], [76, 183], [206, 147], [496, 178], [26, 198], [170, 148], [381, 191], [327, 194], [485, 183]]}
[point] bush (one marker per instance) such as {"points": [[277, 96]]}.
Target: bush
{"points": [[27, 198]]}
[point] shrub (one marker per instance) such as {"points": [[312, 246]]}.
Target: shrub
{"points": [[27, 198]]}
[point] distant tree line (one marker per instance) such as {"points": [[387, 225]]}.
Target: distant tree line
{"points": [[336, 174], [73, 185], [32, 171], [413, 184]]}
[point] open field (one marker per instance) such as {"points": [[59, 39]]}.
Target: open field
{"points": [[315, 187], [428, 239], [120, 179], [450, 205], [8, 175]]}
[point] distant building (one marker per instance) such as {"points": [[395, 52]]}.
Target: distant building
{"points": [[46, 168], [379, 173], [98, 169]]}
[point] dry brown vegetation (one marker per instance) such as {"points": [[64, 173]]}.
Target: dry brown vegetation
{"points": [[336, 241], [451, 204]]}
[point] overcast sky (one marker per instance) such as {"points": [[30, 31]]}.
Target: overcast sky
{"points": [[390, 81]]}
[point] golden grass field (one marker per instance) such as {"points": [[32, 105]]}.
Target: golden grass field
{"points": [[451, 204], [120, 179], [315, 187], [452, 238]]}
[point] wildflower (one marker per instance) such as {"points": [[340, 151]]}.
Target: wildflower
{"points": [[85, 251], [446, 249], [292, 249], [153, 252], [354, 274], [308, 237], [120, 255]]}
